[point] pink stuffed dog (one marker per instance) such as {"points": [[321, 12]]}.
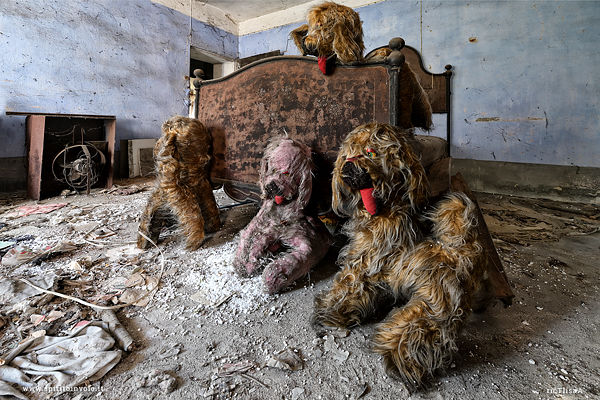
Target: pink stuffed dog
{"points": [[281, 240]]}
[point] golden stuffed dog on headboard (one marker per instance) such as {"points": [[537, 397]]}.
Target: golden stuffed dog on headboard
{"points": [[332, 30]]}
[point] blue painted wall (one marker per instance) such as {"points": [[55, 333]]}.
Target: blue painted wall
{"points": [[525, 86], [526, 83], [109, 57]]}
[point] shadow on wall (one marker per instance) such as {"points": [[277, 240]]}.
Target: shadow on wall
{"points": [[13, 154], [12, 134]]}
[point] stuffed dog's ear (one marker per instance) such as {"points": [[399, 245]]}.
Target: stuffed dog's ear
{"points": [[304, 171], [298, 35], [167, 145], [405, 162], [345, 46], [264, 169], [343, 199], [305, 188]]}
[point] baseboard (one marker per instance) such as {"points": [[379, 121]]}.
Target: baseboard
{"points": [[14, 174], [542, 181]]}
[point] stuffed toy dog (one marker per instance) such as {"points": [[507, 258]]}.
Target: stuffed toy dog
{"points": [[379, 183], [183, 190], [282, 241], [333, 31]]}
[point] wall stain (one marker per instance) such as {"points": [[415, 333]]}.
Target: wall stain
{"points": [[494, 119]]}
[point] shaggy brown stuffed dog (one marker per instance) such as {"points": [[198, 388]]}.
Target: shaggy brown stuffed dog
{"points": [[183, 190], [335, 32], [281, 240], [380, 184], [332, 30]]}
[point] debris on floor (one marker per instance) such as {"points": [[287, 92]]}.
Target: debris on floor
{"points": [[331, 348], [35, 209], [205, 332], [13, 291], [242, 367], [522, 221], [84, 355], [288, 359], [164, 381]]}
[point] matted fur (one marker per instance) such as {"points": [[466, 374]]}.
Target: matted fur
{"points": [[182, 188], [444, 278], [415, 108], [400, 188], [281, 240], [386, 255], [332, 29]]}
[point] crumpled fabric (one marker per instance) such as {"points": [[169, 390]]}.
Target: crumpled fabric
{"points": [[8, 390], [65, 361]]}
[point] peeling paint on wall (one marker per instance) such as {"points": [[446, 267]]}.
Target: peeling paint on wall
{"points": [[494, 119], [110, 57]]}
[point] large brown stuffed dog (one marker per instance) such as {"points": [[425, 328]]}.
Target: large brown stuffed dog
{"points": [[379, 183], [183, 189]]}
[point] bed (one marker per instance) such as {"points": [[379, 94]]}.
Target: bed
{"points": [[289, 95]]}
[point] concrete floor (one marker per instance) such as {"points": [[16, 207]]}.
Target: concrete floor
{"points": [[205, 323]]}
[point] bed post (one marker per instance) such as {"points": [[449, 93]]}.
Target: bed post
{"points": [[395, 60], [197, 83], [448, 75]]}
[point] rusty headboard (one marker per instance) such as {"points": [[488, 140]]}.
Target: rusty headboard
{"points": [[289, 94]]}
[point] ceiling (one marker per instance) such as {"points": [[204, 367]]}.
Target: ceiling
{"points": [[242, 17], [245, 10]]}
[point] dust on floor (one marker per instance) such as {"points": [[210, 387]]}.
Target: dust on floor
{"points": [[207, 333]]}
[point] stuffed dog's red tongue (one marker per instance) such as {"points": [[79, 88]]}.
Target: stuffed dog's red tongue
{"points": [[323, 65], [369, 200], [279, 199]]}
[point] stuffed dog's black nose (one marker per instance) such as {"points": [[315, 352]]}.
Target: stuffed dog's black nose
{"points": [[273, 190], [356, 177], [309, 49]]}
